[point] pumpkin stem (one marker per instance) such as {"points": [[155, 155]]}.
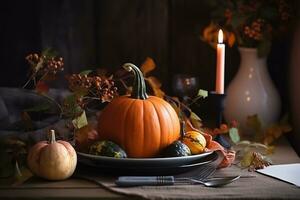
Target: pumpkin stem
{"points": [[139, 86], [52, 137]]}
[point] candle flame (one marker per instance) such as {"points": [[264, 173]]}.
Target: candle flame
{"points": [[220, 36]]}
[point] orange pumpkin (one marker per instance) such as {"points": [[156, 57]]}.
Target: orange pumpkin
{"points": [[142, 125]]}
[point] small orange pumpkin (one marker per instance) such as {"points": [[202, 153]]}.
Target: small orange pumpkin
{"points": [[142, 125], [53, 160]]}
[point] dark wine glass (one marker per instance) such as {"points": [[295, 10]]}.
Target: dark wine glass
{"points": [[185, 86]]}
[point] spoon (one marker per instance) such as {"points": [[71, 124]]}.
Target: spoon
{"points": [[216, 182]]}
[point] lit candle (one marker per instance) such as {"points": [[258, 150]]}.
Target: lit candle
{"points": [[220, 64]]}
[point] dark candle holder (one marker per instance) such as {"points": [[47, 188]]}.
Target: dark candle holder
{"points": [[217, 110], [218, 107]]}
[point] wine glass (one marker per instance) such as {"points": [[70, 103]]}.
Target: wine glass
{"points": [[185, 86]]}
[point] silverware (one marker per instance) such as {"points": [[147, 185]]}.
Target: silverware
{"points": [[127, 181], [214, 182], [205, 171], [130, 181]]}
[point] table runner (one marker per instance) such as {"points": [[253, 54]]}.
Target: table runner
{"points": [[257, 187]]}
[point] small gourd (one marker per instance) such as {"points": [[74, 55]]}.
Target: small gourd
{"points": [[107, 148], [177, 149], [52, 160], [195, 141]]}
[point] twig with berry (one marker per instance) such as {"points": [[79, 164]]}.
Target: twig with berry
{"points": [[87, 88], [42, 66]]}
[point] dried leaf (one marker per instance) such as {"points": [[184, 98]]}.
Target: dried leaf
{"points": [[86, 72], [244, 143], [202, 93], [195, 120], [154, 82], [247, 159], [284, 124], [174, 102], [231, 39], [80, 121], [259, 161], [229, 157], [274, 132], [129, 90], [84, 137], [254, 122], [245, 146], [70, 107], [148, 66], [42, 87], [22, 174], [155, 85], [234, 135], [15, 142]]}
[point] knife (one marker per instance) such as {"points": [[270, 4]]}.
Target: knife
{"points": [[129, 181]]}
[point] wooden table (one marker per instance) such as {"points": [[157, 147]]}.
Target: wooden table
{"points": [[80, 189]]}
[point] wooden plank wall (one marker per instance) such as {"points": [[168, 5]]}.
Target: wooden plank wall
{"points": [[108, 33]]}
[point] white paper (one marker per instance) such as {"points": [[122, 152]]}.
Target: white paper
{"points": [[288, 172]]}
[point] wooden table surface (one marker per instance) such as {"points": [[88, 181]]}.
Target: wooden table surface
{"points": [[69, 189], [74, 188]]}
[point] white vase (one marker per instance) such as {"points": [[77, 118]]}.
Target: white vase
{"points": [[252, 92]]}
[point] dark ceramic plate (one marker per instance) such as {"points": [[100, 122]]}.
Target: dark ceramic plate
{"points": [[150, 168], [143, 162]]}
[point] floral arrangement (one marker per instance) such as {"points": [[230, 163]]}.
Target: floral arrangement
{"points": [[249, 23]]}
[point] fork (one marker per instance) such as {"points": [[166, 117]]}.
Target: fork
{"points": [[205, 171], [128, 181]]}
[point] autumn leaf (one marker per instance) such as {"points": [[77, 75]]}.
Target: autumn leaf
{"points": [[259, 161], [155, 84], [254, 122], [196, 121], [42, 87], [148, 66], [70, 107], [210, 35], [80, 121], [86, 72], [247, 159], [22, 174], [284, 124], [231, 39], [202, 93], [175, 103], [84, 137], [234, 135], [274, 132], [245, 145]]}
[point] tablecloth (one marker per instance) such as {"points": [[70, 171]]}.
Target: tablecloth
{"points": [[253, 186]]}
